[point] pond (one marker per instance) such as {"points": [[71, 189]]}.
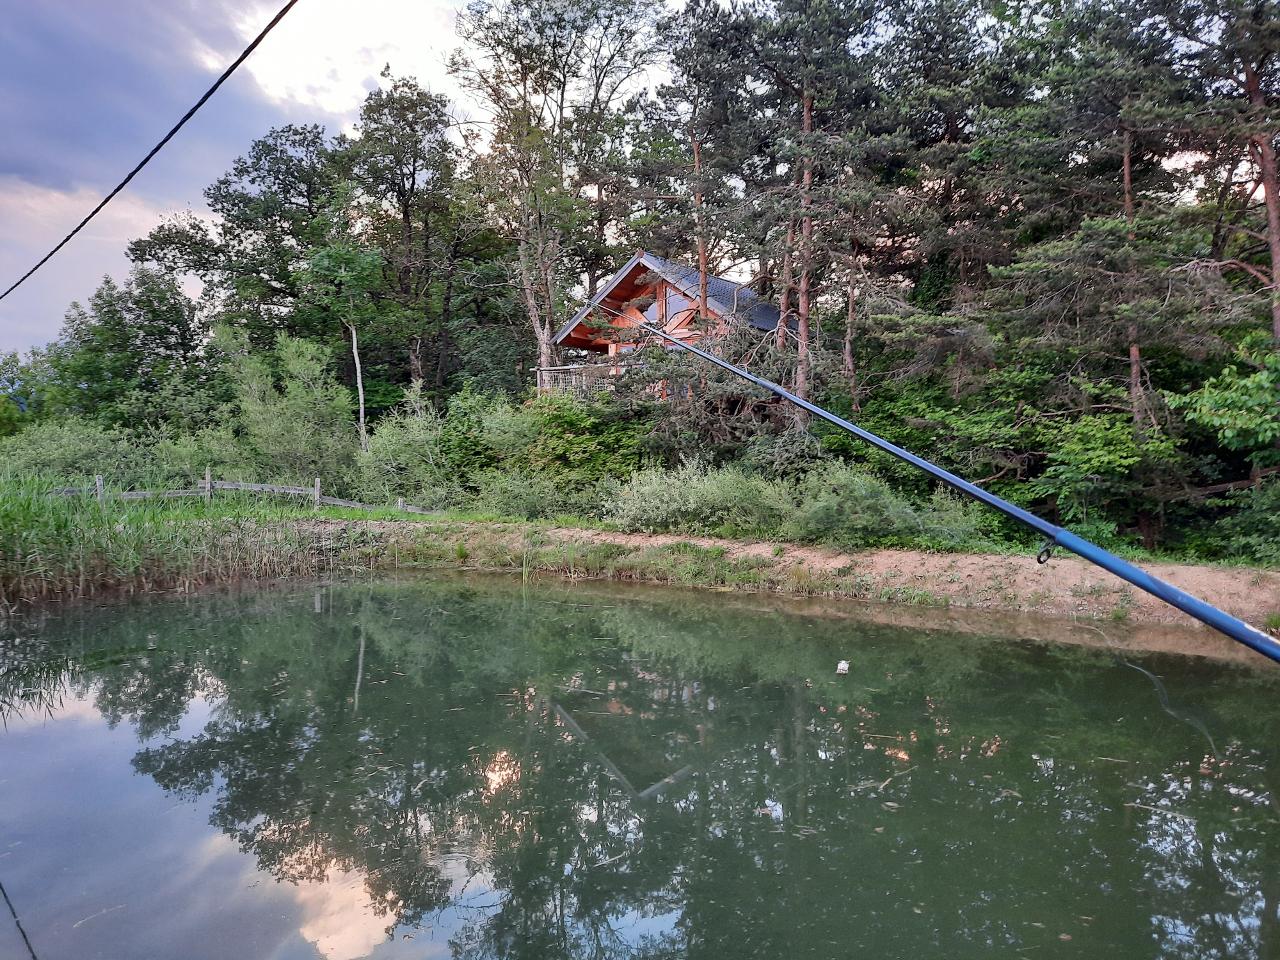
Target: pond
{"points": [[474, 767]]}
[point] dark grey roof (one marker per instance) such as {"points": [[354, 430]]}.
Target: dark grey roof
{"points": [[725, 297]]}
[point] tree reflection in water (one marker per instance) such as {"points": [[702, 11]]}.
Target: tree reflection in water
{"points": [[605, 773]]}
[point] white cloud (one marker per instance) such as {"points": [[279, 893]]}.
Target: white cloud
{"points": [[35, 218], [326, 54], [339, 918], [318, 63]]}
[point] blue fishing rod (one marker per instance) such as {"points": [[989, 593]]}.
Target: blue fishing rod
{"points": [[1054, 535]]}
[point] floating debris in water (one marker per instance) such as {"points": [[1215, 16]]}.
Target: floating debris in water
{"points": [[842, 668]]}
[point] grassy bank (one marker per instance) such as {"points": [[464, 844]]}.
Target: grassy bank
{"points": [[532, 550], [58, 548]]}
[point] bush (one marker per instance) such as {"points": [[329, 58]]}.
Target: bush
{"points": [[406, 458], [72, 450], [294, 420], [483, 448], [1252, 531], [698, 499], [532, 496], [585, 441], [838, 505], [852, 509]]}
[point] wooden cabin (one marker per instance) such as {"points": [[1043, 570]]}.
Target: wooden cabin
{"points": [[654, 291]]}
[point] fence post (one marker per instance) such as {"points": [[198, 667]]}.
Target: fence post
{"points": [[400, 504], [97, 488], [208, 485], [316, 501]]}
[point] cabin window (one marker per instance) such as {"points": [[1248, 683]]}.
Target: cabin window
{"points": [[676, 303]]}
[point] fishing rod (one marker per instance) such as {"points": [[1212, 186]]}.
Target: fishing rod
{"points": [[1054, 535]]}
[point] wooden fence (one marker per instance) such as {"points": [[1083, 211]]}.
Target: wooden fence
{"points": [[207, 487]]}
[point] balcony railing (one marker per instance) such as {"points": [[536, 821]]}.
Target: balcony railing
{"points": [[584, 380]]}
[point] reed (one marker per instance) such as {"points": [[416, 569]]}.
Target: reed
{"points": [[56, 547]]}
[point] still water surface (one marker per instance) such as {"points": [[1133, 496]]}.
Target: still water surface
{"points": [[473, 768]]}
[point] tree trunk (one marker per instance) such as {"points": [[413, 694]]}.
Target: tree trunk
{"points": [[1266, 157], [700, 224], [355, 356], [784, 291], [764, 276], [541, 330], [806, 260], [1135, 379], [850, 322], [415, 359]]}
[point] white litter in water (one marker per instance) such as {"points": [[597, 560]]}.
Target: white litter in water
{"points": [[842, 668]]}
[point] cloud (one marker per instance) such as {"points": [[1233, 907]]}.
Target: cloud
{"points": [[323, 57], [34, 219], [338, 917], [93, 85]]}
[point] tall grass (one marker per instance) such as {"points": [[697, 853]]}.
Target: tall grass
{"points": [[62, 547]]}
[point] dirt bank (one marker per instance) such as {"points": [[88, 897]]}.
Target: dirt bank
{"points": [[1087, 602], [1065, 586]]}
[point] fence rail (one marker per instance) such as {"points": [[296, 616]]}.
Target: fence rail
{"points": [[208, 486]]}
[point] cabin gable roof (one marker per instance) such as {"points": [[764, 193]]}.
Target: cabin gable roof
{"points": [[725, 297]]}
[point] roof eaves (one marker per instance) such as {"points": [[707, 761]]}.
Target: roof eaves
{"points": [[594, 302], [681, 281]]}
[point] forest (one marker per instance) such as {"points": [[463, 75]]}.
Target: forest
{"points": [[1036, 242]]}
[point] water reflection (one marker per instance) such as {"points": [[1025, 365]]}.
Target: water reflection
{"points": [[472, 769]]}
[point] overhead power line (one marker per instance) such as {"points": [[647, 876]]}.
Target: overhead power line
{"points": [[157, 148]]}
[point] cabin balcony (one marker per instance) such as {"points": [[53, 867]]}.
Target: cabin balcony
{"points": [[582, 380]]}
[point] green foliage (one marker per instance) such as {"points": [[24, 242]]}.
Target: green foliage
{"points": [[1242, 409], [72, 450], [1094, 460], [293, 419], [530, 496], [851, 509], [136, 355], [698, 499], [581, 442], [1250, 530], [840, 505], [10, 417], [406, 458], [531, 460]]}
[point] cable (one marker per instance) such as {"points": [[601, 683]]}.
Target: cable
{"points": [[156, 149], [25, 939], [1206, 613]]}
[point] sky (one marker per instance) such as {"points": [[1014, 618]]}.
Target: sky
{"points": [[87, 87]]}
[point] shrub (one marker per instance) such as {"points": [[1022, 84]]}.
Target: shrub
{"points": [[698, 499], [558, 448], [406, 458], [73, 450], [849, 508], [295, 420], [1252, 531], [531, 496], [585, 441], [839, 505]]}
